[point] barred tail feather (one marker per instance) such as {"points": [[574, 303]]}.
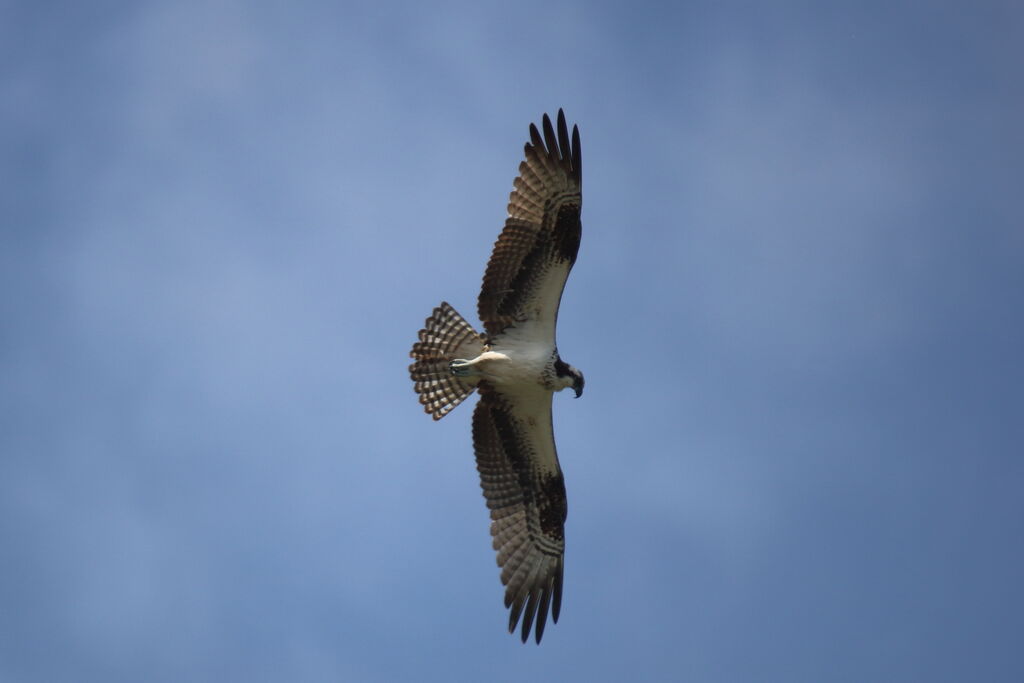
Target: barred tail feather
{"points": [[446, 336]]}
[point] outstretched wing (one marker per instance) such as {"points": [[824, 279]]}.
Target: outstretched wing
{"points": [[536, 250], [523, 485]]}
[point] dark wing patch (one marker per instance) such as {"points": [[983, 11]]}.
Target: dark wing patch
{"points": [[537, 248], [525, 492]]}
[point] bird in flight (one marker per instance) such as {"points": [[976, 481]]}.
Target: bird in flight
{"points": [[515, 367]]}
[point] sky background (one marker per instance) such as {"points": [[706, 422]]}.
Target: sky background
{"points": [[798, 305]]}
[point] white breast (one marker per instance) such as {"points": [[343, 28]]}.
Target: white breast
{"points": [[515, 360]]}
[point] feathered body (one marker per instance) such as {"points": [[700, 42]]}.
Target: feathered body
{"points": [[515, 367]]}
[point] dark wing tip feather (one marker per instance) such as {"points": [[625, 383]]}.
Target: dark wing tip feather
{"points": [[532, 605], [556, 144], [563, 136], [515, 608], [549, 138], [535, 138], [542, 611], [577, 157], [556, 603], [529, 614], [561, 147]]}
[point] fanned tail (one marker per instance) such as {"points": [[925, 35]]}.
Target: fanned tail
{"points": [[446, 336]]}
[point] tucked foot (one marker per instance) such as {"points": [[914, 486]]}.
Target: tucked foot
{"points": [[461, 367]]}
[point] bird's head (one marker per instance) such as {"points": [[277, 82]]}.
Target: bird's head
{"points": [[577, 381], [569, 377]]}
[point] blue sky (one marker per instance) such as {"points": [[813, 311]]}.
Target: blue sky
{"points": [[797, 304]]}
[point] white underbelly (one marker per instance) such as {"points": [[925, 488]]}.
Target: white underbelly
{"points": [[515, 364]]}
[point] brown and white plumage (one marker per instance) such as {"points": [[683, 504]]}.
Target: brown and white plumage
{"points": [[516, 368], [523, 485], [533, 255], [446, 335]]}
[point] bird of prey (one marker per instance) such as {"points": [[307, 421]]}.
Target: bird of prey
{"points": [[515, 367]]}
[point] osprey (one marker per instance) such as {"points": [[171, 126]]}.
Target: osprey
{"points": [[515, 367]]}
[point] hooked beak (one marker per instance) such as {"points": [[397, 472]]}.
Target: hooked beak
{"points": [[578, 387]]}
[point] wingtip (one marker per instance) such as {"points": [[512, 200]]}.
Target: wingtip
{"points": [[550, 141], [529, 614], [556, 598], [577, 155], [535, 137]]}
